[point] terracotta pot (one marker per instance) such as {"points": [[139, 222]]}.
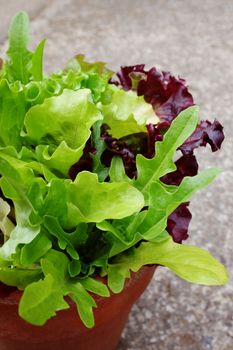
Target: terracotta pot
{"points": [[66, 331]]}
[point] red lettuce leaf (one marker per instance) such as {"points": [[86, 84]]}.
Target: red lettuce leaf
{"points": [[186, 166], [120, 148], [178, 223], [128, 73], [206, 132], [154, 134], [84, 163], [167, 94]]}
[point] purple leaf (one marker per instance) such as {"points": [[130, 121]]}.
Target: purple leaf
{"points": [[84, 163], [119, 148], [186, 166], [206, 132], [154, 134], [178, 223], [127, 74], [167, 94]]}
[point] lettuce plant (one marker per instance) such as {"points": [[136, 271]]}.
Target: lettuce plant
{"points": [[97, 171]]}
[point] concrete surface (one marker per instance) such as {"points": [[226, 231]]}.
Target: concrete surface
{"points": [[195, 40], [9, 8]]}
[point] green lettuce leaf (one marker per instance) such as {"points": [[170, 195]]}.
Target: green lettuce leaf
{"points": [[33, 199], [94, 76], [23, 233], [78, 63], [117, 171], [19, 277], [6, 225], [67, 117], [57, 193], [33, 251], [63, 123], [37, 62], [99, 201], [41, 300], [95, 286], [18, 174], [150, 170], [12, 111], [127, 113], [163, 202], [16, 179], [190, 263], [66, 241], [20, 57]]}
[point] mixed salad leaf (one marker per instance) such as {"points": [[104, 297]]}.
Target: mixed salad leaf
{"points": [[97, 171]]}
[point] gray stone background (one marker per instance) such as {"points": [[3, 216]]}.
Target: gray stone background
{"points": [[195, 40]]}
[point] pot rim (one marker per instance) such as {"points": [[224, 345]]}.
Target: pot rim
{"points": [[14, 297]]}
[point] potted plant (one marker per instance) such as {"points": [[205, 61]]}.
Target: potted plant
{"points": [[97, 170]]}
